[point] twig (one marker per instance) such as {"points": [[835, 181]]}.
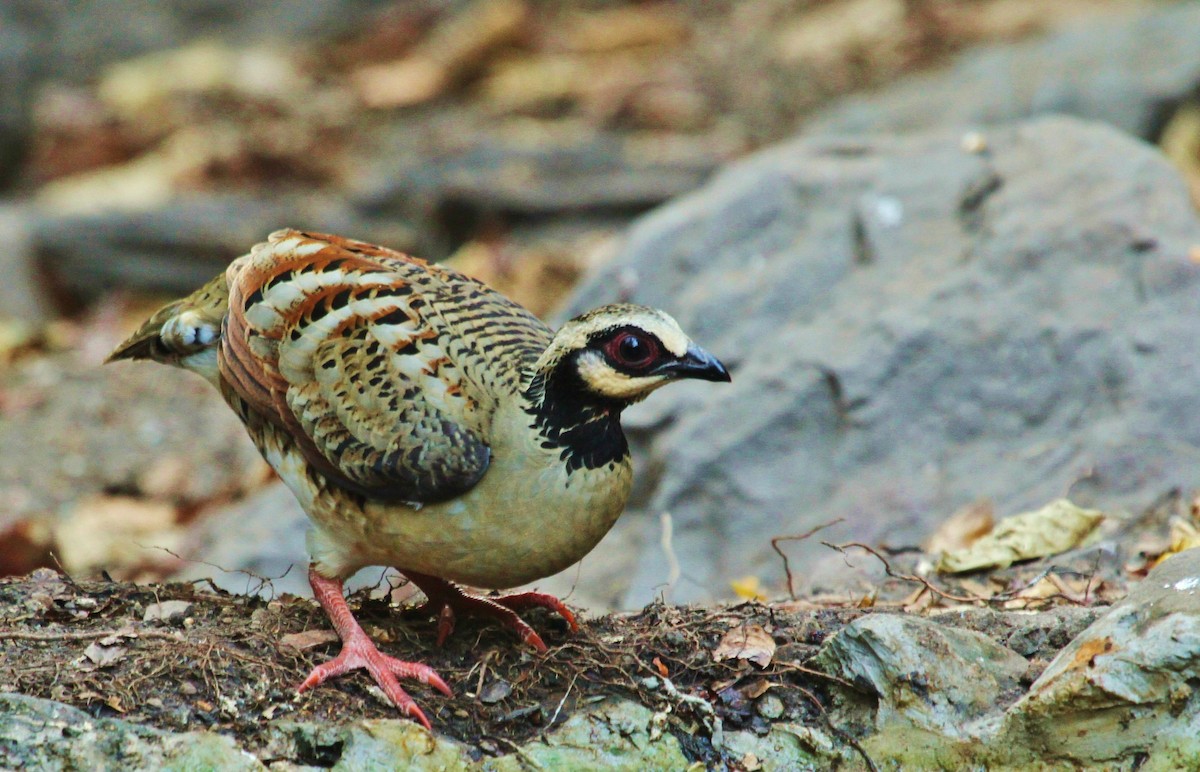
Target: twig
{"points": [[563, 700], [1066, 591], [798, 668], [887, 567], [787, 569], [63, 571], [21, 635], [666, 540], [263, 581]]}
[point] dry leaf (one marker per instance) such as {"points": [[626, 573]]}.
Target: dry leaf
{"points": [[1184, 536], [756, 689], [24, 546], [1056, 527], [977, 588], [824, 34], [750, 642], [106, 531], [614, 29], [294, 643], [103, 656], [166, 478], [748, 588], [455, 48], [962, 529], [1180, 141], [117, 637]]}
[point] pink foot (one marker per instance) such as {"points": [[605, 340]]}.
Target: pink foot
{"points": [[359, 652], [446, 599]]}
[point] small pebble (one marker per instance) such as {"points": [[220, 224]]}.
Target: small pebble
{"points": [[769, 706], [167, 611], [974, 142]]}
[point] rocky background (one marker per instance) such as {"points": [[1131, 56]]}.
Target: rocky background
{"points": [[950, 250]]}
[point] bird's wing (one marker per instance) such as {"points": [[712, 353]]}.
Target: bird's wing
{"points": [[359, 353]]}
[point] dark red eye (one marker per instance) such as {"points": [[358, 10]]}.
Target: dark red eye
{"points": [[632, 350]]}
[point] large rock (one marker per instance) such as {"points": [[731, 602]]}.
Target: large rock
{"points": [[1120, 695], [1125, 71], [41, 734], [913, 324], [616, 735], [920, 673], [1125, 688]]}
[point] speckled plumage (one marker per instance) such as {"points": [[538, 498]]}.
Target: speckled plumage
{"points": [[423, 420]]}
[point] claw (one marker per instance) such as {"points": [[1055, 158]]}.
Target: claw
{"points": [[447, 600], [358, 652], [445, 624]]}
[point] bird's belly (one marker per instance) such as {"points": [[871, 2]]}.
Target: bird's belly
{"points": [[515, 526], [500, 535]]}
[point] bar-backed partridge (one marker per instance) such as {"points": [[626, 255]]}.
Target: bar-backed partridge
{"points": [[424, 421]]}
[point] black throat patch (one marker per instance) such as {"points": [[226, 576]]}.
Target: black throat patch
{"points": [[585, 428]]}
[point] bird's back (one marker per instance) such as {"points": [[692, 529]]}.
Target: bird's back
{"points": [[386, 370], [297, 291]]}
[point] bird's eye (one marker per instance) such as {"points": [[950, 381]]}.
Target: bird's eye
{"points": [[632, 350]]}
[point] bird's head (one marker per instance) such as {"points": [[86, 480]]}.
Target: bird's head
{"points": [[620, 353], [185, 333]]}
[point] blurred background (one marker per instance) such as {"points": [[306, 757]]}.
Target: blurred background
{"points": [[145, 144]]}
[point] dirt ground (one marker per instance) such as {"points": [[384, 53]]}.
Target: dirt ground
{"points": [[223, 662]]}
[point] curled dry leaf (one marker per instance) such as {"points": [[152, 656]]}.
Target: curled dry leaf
{"points": [[962, 529], [1056, 527], [750, 642], [294, 643], [103, 656], [756, 689], [1184, 536]]}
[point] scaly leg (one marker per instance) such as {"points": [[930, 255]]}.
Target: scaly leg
{"points": [[359, 652], [445, 599]]}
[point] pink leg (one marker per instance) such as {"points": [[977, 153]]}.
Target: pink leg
{"points": [[359, 652], [446, 598]]}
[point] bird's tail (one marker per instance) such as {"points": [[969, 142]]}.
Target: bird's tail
{"points": [[186, 332]]}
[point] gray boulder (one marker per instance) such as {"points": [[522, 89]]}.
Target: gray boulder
{"points": [[1125, 688], [42, 734], [913, 324], [1120, 695], [918, 672], [1127, 71]]}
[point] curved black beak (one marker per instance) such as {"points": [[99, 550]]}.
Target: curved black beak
{"points": [[696, 363]]}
